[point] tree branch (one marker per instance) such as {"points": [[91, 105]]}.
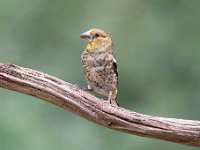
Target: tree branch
{"points": [[80, 102]]}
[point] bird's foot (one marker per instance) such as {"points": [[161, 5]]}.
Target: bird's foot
{"points": [[105, 102], [79, 87], [83, 88], [108, 102], [113, 103]]}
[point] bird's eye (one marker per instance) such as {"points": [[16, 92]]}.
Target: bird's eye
{"points": [[96, 35]]}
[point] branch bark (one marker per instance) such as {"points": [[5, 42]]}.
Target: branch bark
{"points": [[82, 103]]}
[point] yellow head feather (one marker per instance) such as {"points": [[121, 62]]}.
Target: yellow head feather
{"points": [[96, 39]]}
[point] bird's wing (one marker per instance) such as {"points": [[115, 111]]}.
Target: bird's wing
{"points": [[114, 65]]}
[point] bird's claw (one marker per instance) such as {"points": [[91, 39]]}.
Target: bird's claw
{"points": [[79, 87], [83, 88]]}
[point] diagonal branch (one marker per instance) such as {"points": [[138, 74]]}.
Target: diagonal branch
{"points": [[78, 101]]}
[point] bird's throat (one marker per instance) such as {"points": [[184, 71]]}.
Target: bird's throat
{"points": [[92, 47], [97, 45]]}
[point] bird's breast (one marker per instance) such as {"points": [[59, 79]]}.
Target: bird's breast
{"points": [[93, 60]]}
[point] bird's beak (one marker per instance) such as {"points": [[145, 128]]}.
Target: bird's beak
{"points": [[86, 36]]}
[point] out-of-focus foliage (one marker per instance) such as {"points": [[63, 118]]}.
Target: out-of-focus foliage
{"points": [[157, 45]]}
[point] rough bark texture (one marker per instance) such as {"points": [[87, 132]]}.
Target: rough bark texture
{"points": [[82, 103]]}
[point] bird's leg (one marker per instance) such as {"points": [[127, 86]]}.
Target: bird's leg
{"points": [[113, 97]]}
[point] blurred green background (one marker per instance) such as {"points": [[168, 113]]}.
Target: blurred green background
{"points": [[157, 46]]}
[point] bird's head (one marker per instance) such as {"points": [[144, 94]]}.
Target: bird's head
{"points": [[96, 39]]}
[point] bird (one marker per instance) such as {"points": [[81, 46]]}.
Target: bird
{"points": [[100, 65]]}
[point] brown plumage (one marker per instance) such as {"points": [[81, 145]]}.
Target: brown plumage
{"points": [[99, 64]]}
